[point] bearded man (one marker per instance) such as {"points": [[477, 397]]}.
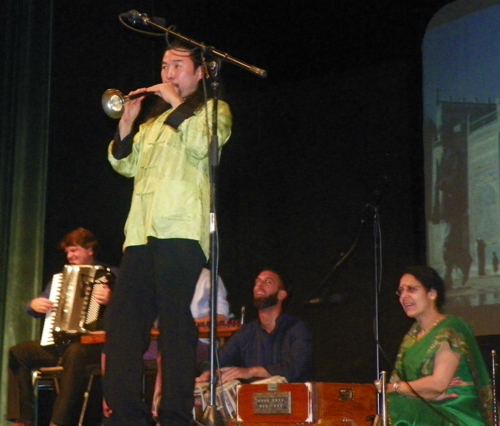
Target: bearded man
{"points": [[274, 344]]}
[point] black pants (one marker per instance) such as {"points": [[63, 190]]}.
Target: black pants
{"points": [[156, 280], [25, 357]]}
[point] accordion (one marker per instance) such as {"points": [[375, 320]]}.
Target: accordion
{"points": [[76, 311]]}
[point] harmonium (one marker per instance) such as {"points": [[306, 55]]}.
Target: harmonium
{"points": [[332, 404]]}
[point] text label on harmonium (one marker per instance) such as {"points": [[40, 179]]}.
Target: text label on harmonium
{"points": [[272, 403]]}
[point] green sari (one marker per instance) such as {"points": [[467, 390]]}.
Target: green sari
{"points": [[473, 406]]}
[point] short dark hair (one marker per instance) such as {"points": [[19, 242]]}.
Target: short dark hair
{"points": [[196, 99], [430, 279], [285, 284], [80, 237]]}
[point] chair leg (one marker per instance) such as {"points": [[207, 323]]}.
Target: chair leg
{"points": [[86, 396], [35, 379], [57, 388]]}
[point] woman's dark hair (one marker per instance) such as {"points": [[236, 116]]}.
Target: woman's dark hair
{"points": [[431, 280]]}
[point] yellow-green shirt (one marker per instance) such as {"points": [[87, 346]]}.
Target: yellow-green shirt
{"points": [[170, 167]]}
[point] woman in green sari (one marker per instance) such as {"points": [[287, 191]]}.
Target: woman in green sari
{"points": [[440, 378]]}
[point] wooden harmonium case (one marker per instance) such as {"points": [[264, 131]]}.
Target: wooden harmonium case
{"points": [[346, 404]]}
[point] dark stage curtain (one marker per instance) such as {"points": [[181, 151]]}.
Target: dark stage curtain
{"points": [[24, 104]]}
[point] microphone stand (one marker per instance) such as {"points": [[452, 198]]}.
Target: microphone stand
{"points": [[382, 418], [377, 252], [211, 416], [377, 281], [145, 19]]}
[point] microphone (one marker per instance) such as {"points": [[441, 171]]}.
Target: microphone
{"points": [[139, 20], [332, 299]]}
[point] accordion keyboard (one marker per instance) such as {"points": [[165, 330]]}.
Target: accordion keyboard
{"points": [[50, 317]]}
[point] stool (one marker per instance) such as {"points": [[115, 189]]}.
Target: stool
{"points": [[46, 378]]}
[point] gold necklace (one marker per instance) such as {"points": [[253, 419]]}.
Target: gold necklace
{"points": [[423, 332]]}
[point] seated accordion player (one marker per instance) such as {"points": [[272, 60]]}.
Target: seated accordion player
{"points": [[76, 311]]}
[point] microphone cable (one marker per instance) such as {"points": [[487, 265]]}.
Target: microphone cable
{"points": [[343, 259], [140, 19]]}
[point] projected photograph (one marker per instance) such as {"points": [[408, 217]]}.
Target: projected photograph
{"points": [[461, 76]]}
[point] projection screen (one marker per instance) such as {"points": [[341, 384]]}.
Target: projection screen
{"points": [[461, 92]]}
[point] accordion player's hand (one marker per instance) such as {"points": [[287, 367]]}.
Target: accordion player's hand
{"points": [[42, 305], [102, 294]]}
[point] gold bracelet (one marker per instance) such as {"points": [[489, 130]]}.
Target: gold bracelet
{"points": [[395, 387]]}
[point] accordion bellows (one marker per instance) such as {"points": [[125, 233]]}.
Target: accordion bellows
{"points": [[75, 311]]}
